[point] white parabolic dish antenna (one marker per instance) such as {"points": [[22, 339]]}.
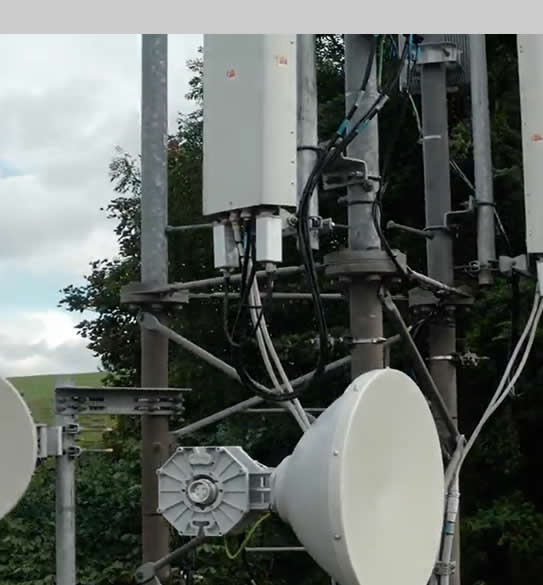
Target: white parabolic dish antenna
{"points": [[18, 447], [364, 488]]}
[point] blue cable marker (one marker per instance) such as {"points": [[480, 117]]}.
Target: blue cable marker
{"points": [[342, 127]]}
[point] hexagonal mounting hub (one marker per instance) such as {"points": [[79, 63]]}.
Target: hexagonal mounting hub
{"points": [[211, 489]]}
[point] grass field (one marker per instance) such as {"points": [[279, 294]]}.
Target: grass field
{"points": [[38, 391]]}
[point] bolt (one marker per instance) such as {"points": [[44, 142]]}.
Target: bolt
{"points": [[336, 452], [337, 537], [367, 186]]}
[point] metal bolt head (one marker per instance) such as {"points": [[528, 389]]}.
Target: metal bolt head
{"points": [[367, 186]]}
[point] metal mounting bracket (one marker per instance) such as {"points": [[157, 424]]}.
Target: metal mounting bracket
{"points": [[364, 340], [443, 358], [392, 225], [74, 451], [50, 442], [420, 297], [473, 267], [446, 227], [442, 568], [363, 262], [470, 359], [138, 293], [465, 360], [441, 52], [344, 172], [507, 265], [74, 400]]}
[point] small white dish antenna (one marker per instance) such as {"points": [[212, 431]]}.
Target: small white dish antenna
{"points": [[18, 447], [364, 488]]}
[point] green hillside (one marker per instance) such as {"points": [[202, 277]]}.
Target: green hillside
{"points": [[38, 391]]}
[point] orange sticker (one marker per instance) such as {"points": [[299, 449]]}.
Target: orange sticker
{"points": [[281, 60]]}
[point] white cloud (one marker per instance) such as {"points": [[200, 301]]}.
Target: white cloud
{"points": [[67, 101], [42, 342]]}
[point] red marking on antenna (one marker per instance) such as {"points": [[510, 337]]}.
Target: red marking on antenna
{"points": [[537, 137], [231, 73]]}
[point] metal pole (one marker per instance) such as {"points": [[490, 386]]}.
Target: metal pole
{"points": [[366, 316], [154, 272], [482, 157], [65, 509], [307, 119], [437, 188], [425, 379]]}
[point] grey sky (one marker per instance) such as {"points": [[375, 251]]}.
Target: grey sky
{"points": [[67, 101]]}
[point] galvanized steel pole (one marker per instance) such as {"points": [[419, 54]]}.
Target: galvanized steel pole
{"points": [[307, 108], [437, 188], [482, 157], [366, 314], [65, 509], [154, 272]]}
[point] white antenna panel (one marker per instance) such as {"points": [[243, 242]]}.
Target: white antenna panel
{"points": [[18, 447], [249, 122], [530, 66]]}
